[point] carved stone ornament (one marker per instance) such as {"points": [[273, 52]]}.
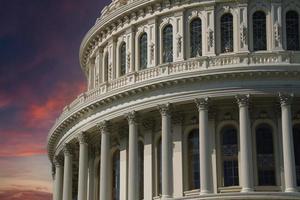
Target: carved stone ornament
{"points": [[82, 138], [210, 38], [128, 59], [164, 109], [285, 99], [131, 117], [202, 103], [243, 35], [67, 150], [242, 100], [103, 126], [277, 32], [152, 45], [179, 44], [58, 161]]}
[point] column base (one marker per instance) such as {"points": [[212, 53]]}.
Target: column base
{"points": [[166, 197], [204, 192], [291, 190], [246, 190]]}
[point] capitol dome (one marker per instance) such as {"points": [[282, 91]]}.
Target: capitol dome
{"points": [[186, 99]]}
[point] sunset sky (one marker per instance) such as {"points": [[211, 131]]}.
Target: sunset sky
{"points": [[39, 75]]}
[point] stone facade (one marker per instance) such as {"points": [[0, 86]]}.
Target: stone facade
{"points": [[219, 124]]}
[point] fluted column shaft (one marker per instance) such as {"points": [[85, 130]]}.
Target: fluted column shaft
{"points": [[104, 168], [133, 181], [205, 177], [58, 188], [83, 167], [245, 178], [288, 144], [68, 173], [166, 149]]}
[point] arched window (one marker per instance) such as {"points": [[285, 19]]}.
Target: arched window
{"points": [[116, 175], [193, 160], [158, 168], [292, 30], [296, 131], [167, 44], [106, 67], [143, 51], [227, 33], [259, 31], [141, 169], [265, 155], [123, 59], [230, 156], [196, 37]]}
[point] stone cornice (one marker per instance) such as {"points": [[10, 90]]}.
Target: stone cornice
{"points": [[80, 110]]}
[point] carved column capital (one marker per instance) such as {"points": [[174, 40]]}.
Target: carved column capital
{"points": [[285, 99], [242, 100], [202, 103], [164, 109], [58, 161], [82, 138], [131, 117], [103, 126], [67, 149]]}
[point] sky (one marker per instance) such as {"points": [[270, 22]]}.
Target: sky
{"points": [[39, 75]]}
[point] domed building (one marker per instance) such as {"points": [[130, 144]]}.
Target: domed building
{"points": [[186, 99]]}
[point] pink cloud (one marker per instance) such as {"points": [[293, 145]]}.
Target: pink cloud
{"points": [[24, 195]]}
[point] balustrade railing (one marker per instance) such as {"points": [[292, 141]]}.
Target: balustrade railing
{"points": [[186, 66]]}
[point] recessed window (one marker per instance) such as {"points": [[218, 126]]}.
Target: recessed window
{"points": [[167, 47], [196, 37], [143, 42], [123, 59], [227, 33], [265, 155], [259, 31], [230, 156], [193, 160], [158, 168], [292, 30]]}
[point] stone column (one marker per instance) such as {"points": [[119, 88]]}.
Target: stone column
{"points": [[91, 175], [288, 144], [67, 187], [133, 157], [105, 159], [205, 177], [245, 178], [58, 187], [166, 150], [83, 167]]}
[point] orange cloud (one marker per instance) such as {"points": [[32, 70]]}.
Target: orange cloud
{"points": [[24, 195]]}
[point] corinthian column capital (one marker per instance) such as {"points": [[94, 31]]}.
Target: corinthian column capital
{"points": [[242, 100], [164, 109], [67, 150], [131, 117], [103, 126], [285, 99], [58, 161], [82, 138], [202, 103]]}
